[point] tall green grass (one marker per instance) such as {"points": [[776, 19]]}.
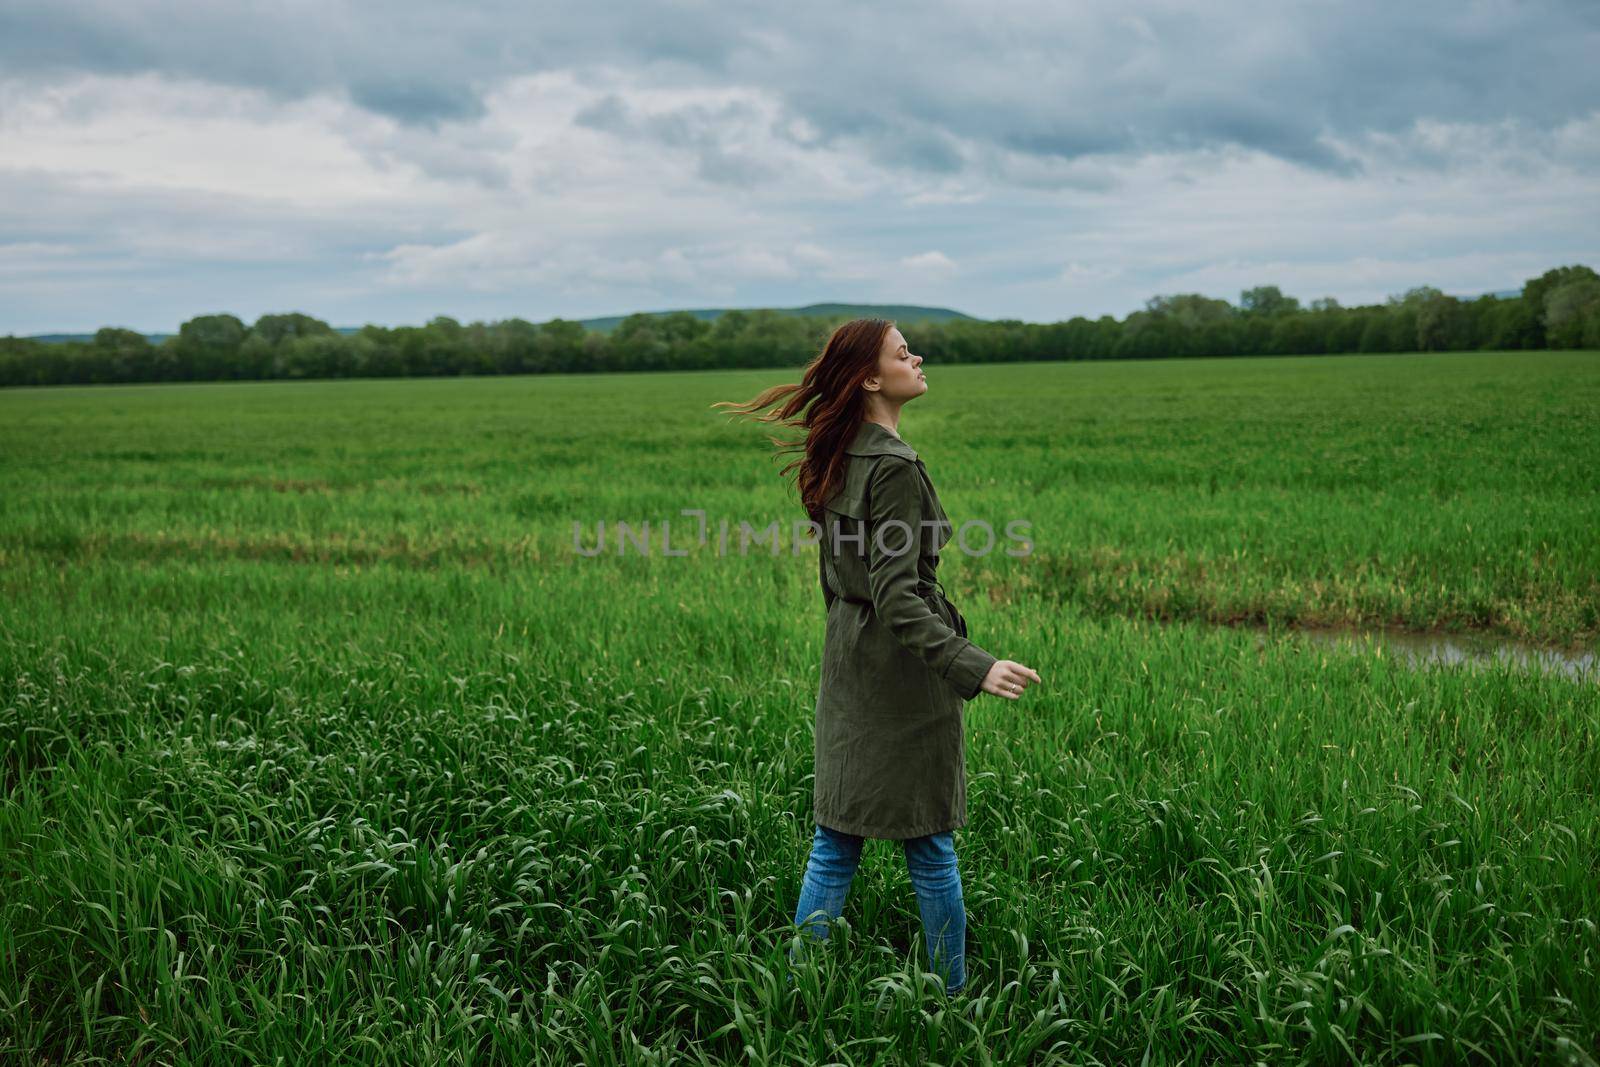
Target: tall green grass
{"points": [[321, 743]]}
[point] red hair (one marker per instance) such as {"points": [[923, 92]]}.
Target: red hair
{"points": [[828, 403]]}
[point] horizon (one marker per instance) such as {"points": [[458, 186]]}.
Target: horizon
{"points": [[1498, 293]]}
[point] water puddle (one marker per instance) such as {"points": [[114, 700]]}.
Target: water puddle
{"points": [[1433, 650]]}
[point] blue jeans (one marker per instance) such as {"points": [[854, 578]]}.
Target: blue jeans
{"points": [[931, 860]]}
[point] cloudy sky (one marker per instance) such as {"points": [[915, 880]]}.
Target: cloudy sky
{"points": [[391, 162]]}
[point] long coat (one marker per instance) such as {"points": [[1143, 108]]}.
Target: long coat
{"points": [[897, 666]]}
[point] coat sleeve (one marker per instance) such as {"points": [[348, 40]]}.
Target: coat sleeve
{"points": [[895, 492]]}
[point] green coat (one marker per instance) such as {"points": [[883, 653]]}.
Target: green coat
{"points": [[890, 752]]}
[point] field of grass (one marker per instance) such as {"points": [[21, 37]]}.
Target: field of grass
{"points": [[321, 741]]}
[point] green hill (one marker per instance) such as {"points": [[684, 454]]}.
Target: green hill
{"points": [[902, 313]]}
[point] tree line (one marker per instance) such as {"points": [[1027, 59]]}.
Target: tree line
{"points": [[1558, 309]]}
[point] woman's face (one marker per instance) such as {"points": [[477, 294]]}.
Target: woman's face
{"points": [[899, 371]]}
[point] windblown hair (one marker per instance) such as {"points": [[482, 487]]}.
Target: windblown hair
{"points": [[828, 403]]}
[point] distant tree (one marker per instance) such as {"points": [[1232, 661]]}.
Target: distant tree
{"points": [[594, 352], [1297, 334], [124, 355], [1267, 300], [1219, 337], [729, 324], [324, 355], [1560, 308], [169, 364], [21, 361], [1440, 324], [206, 347], [478, 350], [1106, 331], [773, 339], [1536, 290], [560, 345], [1512, 324], [1392, 327], [1374, 331], [275, 329], [723, 343], [1152, 335], [1343, 328], [1567, 309], [1190, 310], [1255, 335], [682, 327], [513, 344], [256, 358], [382, 354], [1176, 325], [439, 348], [639, 342]]}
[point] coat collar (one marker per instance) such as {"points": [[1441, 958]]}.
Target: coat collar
{"points": [[872, 439]]}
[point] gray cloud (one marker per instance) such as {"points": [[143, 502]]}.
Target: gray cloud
{"points": [[97, 252], [395, 161], [417, 102], [696, 128], [1045, 79]]}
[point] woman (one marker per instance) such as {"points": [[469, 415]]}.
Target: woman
{"points": [[896, 663]]}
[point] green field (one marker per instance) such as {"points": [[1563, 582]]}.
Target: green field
{"points": [[322, 742]]}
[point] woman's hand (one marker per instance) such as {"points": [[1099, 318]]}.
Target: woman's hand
{"points": [[1008, 678]]}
